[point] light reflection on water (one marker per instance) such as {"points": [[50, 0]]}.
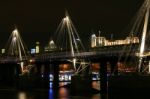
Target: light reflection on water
{"points": [[96, 85], [22, 95], [51, 96], [32, 95], [64, 93]]}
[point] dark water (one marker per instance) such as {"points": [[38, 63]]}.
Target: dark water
{"points": [[16, 94], [63, 93]]}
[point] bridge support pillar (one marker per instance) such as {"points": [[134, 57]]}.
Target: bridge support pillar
{"points": [[45, 73], [38, 69], [113, 64], [55, 66], [47, 69], [114, 68], [103, 76]]}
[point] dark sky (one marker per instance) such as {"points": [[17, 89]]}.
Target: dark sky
{"points": [[37, 20]]}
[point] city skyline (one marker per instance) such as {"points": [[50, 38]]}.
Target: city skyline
{"points": [[39, 19]]}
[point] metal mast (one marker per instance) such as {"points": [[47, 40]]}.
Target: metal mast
{"points": [[142, 47]]}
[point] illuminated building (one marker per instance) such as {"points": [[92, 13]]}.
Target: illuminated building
{"points": [[102, 41], [3, 51], [33, 50], [37, 48], [93, 40], [51, 46]]}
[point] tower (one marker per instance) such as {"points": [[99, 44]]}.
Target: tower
{"points": [[37, 48], [93, 40]]}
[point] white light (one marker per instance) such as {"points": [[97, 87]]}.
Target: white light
{"points": [[51, 42], [149, 67], [22, 64], [78, 39], [93, 35], [15, 32], [66, 18], [30, 60], [14, 39], [74, 61]]}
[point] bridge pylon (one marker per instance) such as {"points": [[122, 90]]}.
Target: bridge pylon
{"points": [[67, 39], [144, 32], [16, 48]]}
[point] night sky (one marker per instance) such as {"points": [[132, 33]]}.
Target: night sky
{"points": [[37, 20]]}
